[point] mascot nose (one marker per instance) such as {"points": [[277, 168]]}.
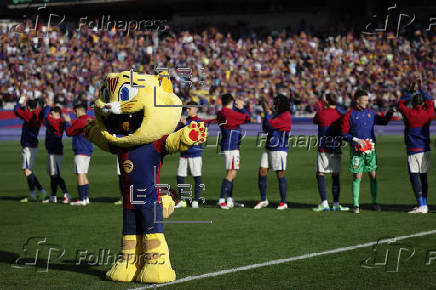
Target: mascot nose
{"points": [[108, 106]]}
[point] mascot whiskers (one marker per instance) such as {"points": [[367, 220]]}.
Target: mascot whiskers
{"points": [[130, 125]]}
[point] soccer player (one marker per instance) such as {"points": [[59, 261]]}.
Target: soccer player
{"points": [[229, 120], [29, 113], [278, 127], [82, 151], [55, 127], [328, 157], [190, 159], [417, 138], [358, 129]]}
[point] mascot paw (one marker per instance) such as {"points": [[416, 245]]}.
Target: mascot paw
{"points": [[157, 268], [128, 268], [168, 203], [195, 133], [124, 271]]}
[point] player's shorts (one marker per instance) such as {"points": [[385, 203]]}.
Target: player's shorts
{"points": [[54, 164], [328, 162], [276, 160], [81, 163], [419, 162], [194, 165], [143, 220], [360, 162], [231, 159], [28, 155]]}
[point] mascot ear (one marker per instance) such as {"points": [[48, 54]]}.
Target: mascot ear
{"points": [[165, 82]]}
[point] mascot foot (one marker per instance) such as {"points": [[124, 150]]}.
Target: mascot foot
{"points": [[157, 266], [127, 269]]}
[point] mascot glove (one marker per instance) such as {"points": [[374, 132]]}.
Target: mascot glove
{"points": [[193, 134], [167, 205]]}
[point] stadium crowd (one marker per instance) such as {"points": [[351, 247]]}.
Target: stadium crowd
{"points": [[66, 66]]}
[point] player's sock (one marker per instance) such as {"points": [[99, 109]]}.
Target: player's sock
{"points": [[225, 188], [374, 189], [262, 182], [62, 184], [81, 191], [356, 191], [30, 183], [321, 187], [230, 193], [198, 188], [283, 187], [424, 183], [417, 189], [180, 180], [53, 185], [86, 190], [36, 182], [336, 188]]}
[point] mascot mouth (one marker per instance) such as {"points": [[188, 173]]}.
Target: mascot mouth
{"points": [[124, 124]]}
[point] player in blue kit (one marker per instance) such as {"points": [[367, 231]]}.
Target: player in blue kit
{"points": [[229, 119], [190, 160], [358, 129], [274, 156], [29, 113], [328, 157], [55, 127], [417, 120]]}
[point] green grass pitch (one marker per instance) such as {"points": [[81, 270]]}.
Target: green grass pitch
{"points": [[237, 237]]}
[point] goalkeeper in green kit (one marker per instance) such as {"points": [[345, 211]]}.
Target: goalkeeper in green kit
{"points": [[358, 129]]}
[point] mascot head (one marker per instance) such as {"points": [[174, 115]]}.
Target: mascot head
{"points": [[137, 108]]}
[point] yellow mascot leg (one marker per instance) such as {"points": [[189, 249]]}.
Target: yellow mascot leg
{"points": [[128, 268], [157, 268]]}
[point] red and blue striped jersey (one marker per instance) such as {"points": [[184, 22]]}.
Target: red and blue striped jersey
{"points": [[140, 170], [54, 131], [229, 122], [329, 129], [278, 128], [417, 122], [81, 145], [31, 125]]}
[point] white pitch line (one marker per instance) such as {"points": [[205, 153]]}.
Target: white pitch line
{"points": [[286, 260]]}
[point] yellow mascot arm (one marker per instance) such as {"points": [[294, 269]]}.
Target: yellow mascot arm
{"points": [[193, 134], [95, 132]]}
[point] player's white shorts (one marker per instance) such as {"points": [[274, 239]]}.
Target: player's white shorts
{"points": [[419, 162], [328, 162], [193, 163], [275, 160], [28, 155], [54, 164], [231, 159], [81, 163]]}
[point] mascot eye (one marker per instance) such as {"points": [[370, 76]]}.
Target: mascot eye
{"points": [[106, 95], [127, 92]]}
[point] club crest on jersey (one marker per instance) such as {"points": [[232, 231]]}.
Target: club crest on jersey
{"points": [[369, 116], [127, 166]]}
